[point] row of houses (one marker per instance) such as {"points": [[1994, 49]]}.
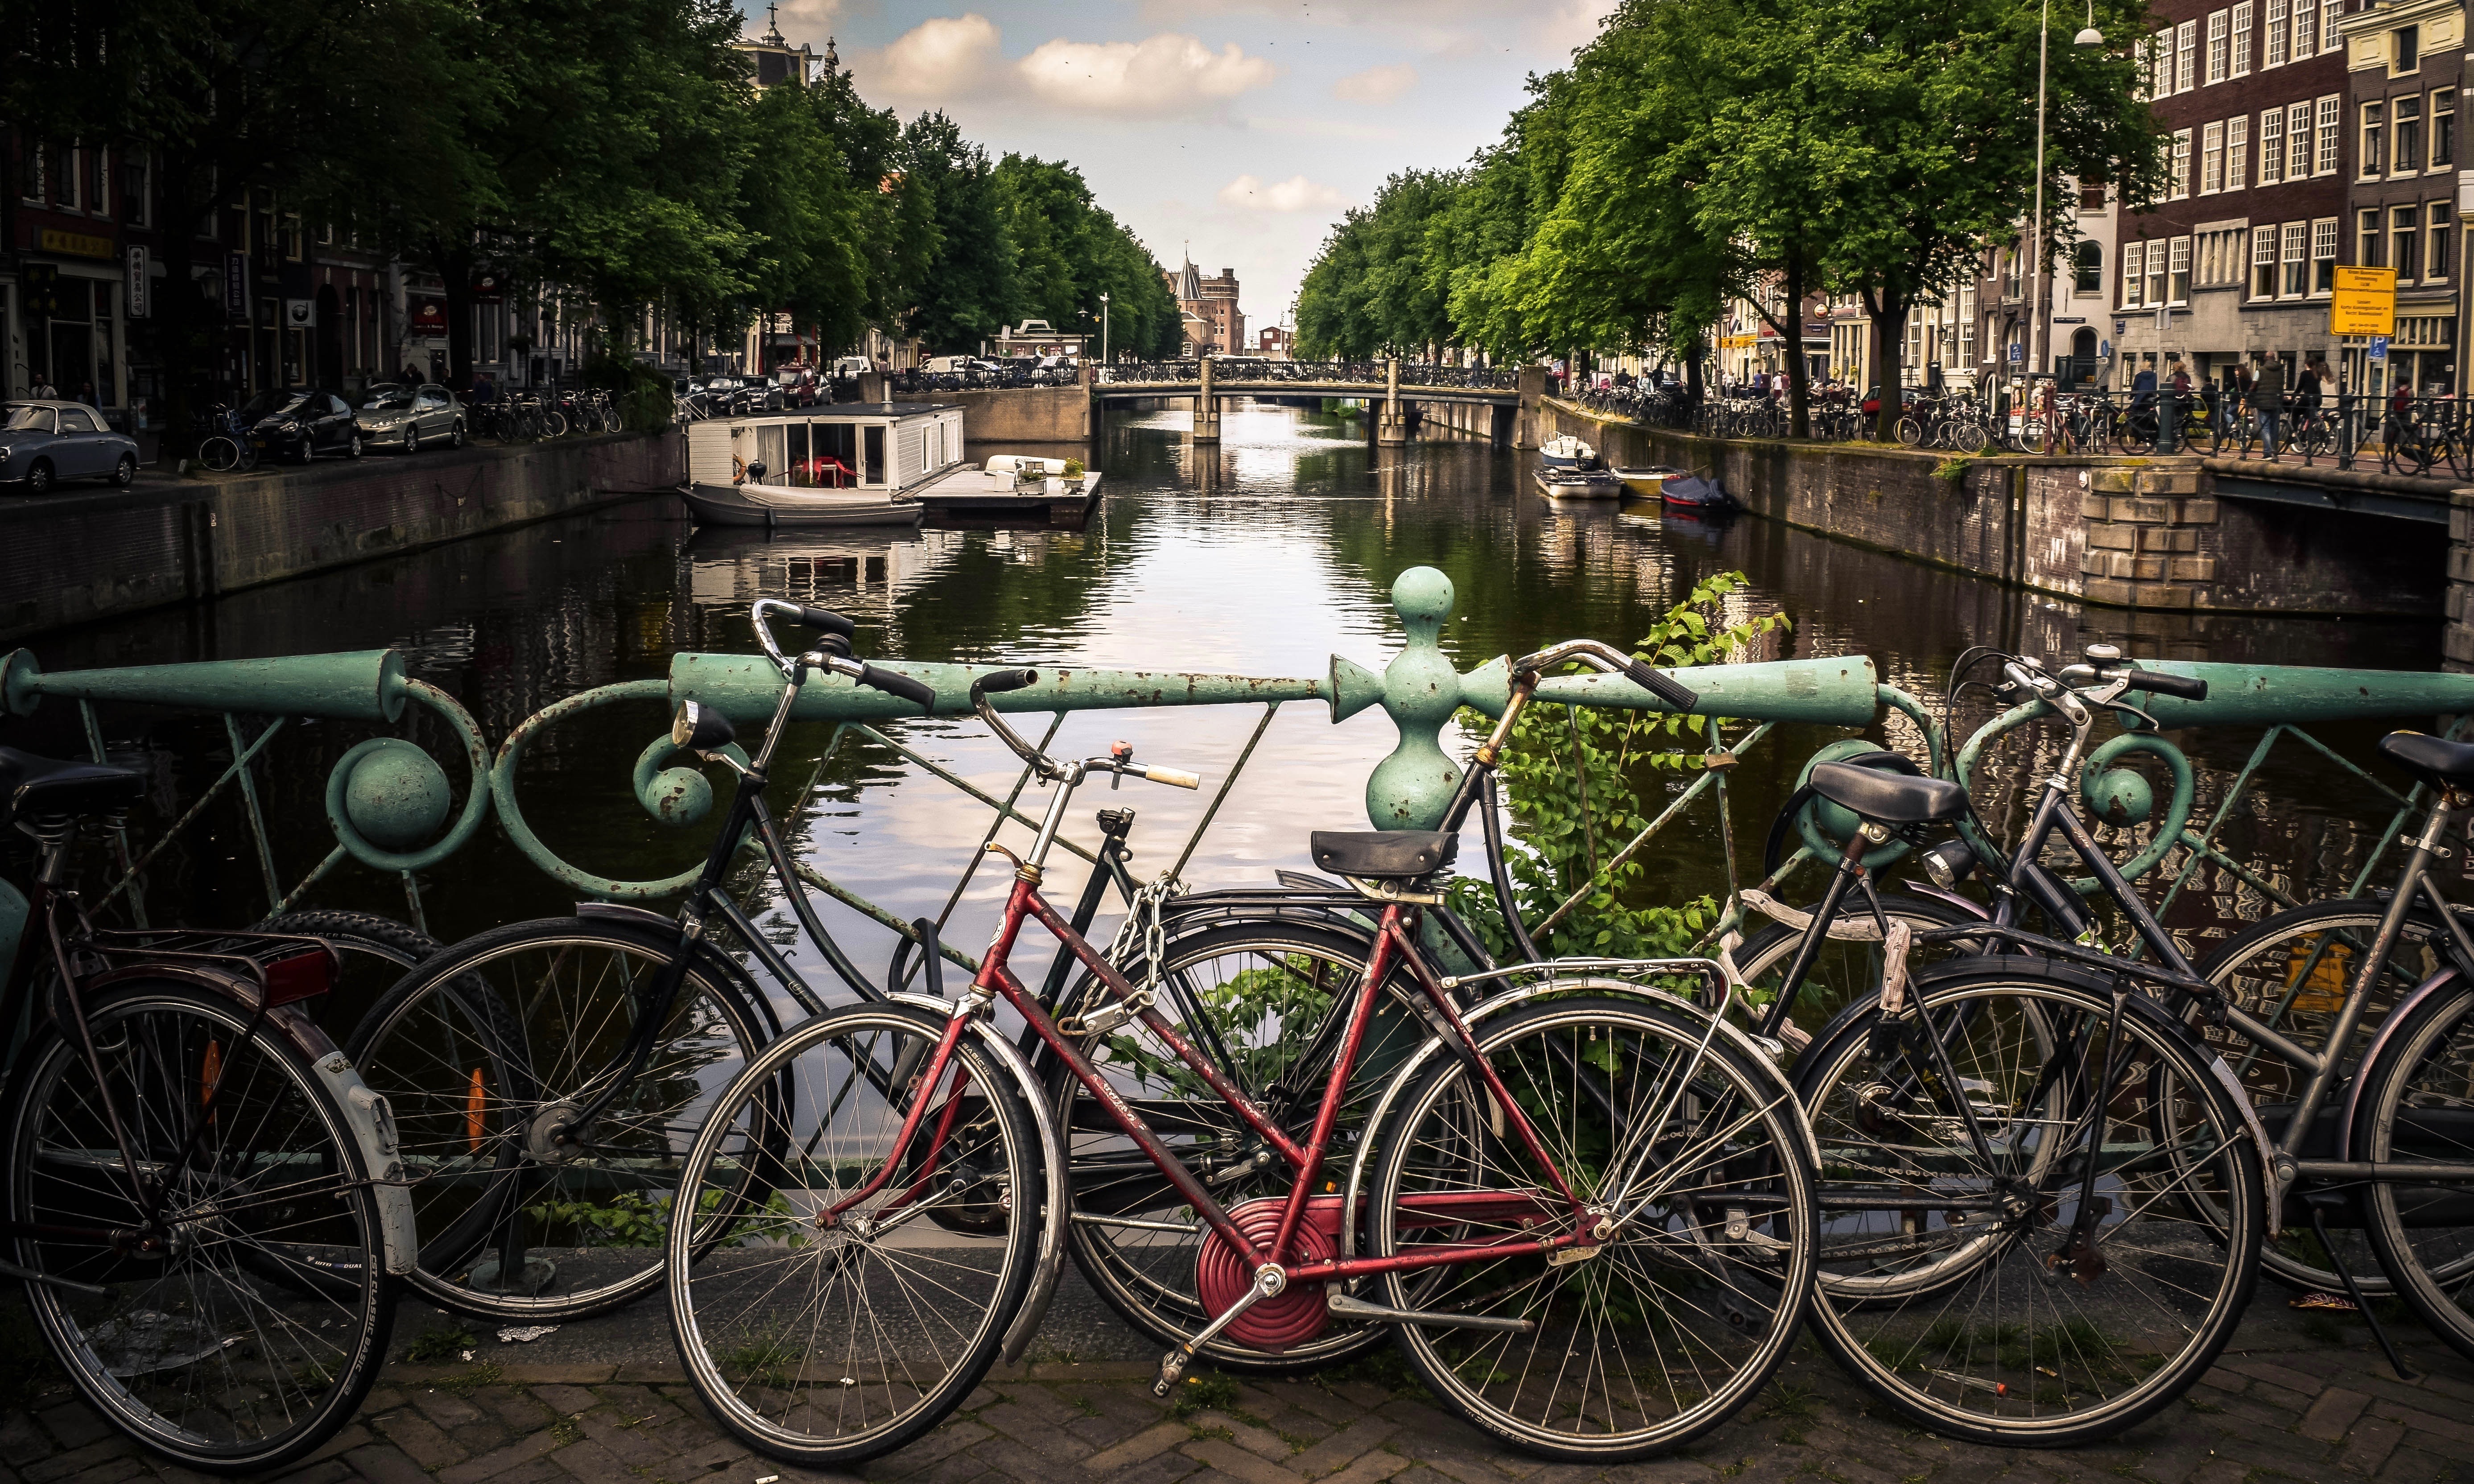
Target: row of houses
{"points": [[2300, 136]]}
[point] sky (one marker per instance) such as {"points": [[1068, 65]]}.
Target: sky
{"points": [[1241, 126]]}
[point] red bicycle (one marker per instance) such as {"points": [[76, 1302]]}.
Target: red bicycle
{"points": [[1583, 1207]]}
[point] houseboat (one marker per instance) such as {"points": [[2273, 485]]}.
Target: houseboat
{"points": [[843, 466]]}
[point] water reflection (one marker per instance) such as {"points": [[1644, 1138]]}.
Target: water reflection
{"points": [[1262, 555]]}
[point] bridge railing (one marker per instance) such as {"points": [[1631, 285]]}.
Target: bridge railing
{"points": [[1366, 373]]}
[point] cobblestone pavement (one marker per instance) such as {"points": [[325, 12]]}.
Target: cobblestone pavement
{"points": [[2292, 1399]]}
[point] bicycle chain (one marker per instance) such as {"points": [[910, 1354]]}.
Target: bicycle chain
{"points": [[1143, 922]]}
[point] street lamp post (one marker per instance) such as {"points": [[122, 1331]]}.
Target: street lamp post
{"points": [[1103, 330], [2089, 37]]}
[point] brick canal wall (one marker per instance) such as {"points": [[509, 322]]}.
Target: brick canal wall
{"points": [[72, 559], [2145, 533]]}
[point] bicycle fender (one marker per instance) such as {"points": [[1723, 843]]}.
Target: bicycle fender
{"points": [[1496, 1003], [365, 1110], [705, 954], [2414, 1000], [1055, 1197]]}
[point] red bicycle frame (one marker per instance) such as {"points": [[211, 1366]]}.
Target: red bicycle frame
{"points": [[1394, 948]]}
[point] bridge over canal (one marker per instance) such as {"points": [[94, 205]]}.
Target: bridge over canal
{"points": [[1396, 387]]}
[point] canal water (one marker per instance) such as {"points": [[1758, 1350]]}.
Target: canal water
{"points": [[1265, 555]]}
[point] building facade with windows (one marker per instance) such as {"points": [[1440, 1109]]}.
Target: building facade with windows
{"points": [[2239, 260], [2403, 63], [1207, 308]]}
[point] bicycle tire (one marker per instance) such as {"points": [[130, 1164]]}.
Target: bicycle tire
{"points": [[375, 952], [2410, 1108], [475, 1046], [1149, 1275], [1844, 971], [1678, 1290], [220, 455], [156, 1355], [1943, 1341], [733, 1313]]}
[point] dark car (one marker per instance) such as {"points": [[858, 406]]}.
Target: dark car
{"points": [[300, 424], [44, 442]]}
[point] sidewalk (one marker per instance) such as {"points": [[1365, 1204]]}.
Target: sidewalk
{"points": [[2294, 1399]]}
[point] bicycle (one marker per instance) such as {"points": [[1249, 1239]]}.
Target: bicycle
{"points": [[223, 450], [201, 1199], [1466, 1202]]}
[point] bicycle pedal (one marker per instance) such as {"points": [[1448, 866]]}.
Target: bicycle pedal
{"points": [[1171, 1366]]}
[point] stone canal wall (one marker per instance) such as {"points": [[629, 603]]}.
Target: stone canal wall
{"points": [[1024, 415], [2147, 534], [73, 558]]}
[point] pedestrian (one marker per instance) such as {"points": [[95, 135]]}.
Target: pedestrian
{"points": [[85, 394], [43, 388], [412, 376], [2267, 400]]}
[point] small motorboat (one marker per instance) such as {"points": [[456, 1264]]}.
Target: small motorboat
{"points": [[1564, 452], [771, 506], [1691, 492], [1010, 485], [1579, 485], [1649, 479]]}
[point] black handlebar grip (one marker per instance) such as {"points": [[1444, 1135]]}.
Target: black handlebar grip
{"points": [[996, 683], [829, 621], [1660, 685], [903, 685], [2164, 684]]}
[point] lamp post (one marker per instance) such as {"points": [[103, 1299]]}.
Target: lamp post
{"points": [[2088, 36], [1103, 330]]}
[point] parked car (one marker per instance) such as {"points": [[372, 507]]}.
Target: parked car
{"points": [[409, 416], [44, 442], [300, 424]]}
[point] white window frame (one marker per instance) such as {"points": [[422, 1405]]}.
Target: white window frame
{"points": [[2242, 21], [2134, 270], [2332, 117], [2211, 158], [2306, 29], [2297, 135], [2294, 260], [2238, 153], [2324, 250], [2177, 272], [2219, 39], [2330, 35], [2263, 255], [2186, 56], [2272, 146], [2274, 35], [2180, 174]]}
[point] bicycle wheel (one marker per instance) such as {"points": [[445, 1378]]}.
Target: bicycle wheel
{"points": [[1253, 996], [1967, 436], [375, 952], [553, 423], [2416, 1104], [1687, 1305], [483, 1049], [1845, 971], [1966, 1298], [245, 1329], [2293, 971], [220, 455], [825, 1337]]}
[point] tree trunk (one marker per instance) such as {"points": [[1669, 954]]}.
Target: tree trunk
{"points": [[1692, 383], [178, 311], [453, 261], [1799, 386], [1888, 313]]}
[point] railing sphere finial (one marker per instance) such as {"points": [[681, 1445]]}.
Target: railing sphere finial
{"points": [[1409, 789]]}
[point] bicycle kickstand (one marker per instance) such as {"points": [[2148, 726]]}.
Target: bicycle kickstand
{"points": [[2317, 1201]]}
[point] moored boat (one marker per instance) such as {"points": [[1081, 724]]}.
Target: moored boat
{"points": [[1691, 492], [1579, 485], [1648, 480], [850, 465], [1564, 452], [753, 504]]}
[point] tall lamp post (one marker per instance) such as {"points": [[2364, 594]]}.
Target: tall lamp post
{"points": [[1103, 330], [2089, 37]]}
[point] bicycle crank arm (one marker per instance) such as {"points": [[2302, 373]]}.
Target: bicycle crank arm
{"points": [[1268, 1281], [1344, 1306]]}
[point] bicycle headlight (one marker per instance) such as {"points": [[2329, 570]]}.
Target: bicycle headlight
{"points": [[1948, 863]]}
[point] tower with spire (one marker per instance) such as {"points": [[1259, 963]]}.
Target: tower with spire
{"points": [[772, 60], [1214, 324]]}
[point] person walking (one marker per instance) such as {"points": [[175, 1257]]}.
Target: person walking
{"points": [[2267, 401], [44, 391]]}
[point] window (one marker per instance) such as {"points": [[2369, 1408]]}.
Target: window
{"points": [[30, 172], [2323, 254], [2405, 242], [2134, 261], [2178, 290], [2368, 247], [2087, 268], [2406, 124], [2331, 109], [133, 204], [2272, 36], [2298, 261], [2306, 31], [2404, 50], [2212, 159], [2090, 195], [2272, 146], [2237, 151], [2160, 74], [2181, 163], [2219, 42], [2434, 243], [2443, 128], [2263, 262], [98, 195], [64, 176], [2374, 132], [2330, 37], [2155, 290], [2241, 39], [2186, 57], [292, 237]]}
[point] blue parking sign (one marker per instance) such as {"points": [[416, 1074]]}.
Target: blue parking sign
{"points": [[2379, 347]]}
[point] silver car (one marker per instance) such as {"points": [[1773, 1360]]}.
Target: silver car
{"points": [[44, 442], [405, 417]]}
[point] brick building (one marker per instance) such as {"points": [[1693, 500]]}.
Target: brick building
{"points": [[2402, 62], [1214, 324]]}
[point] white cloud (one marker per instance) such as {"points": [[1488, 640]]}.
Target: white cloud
{"points": [[1297, 193], [1545, 30], [932, 60], [1375, 84], [1160, 75]]}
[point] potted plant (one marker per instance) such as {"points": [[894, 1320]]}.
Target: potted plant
{"points": [[1074, 475]]}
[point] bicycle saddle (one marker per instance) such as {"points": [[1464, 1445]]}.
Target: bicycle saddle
{"points": [[2435, 760], [31, 785], [1384, 854], [1889, 798]]}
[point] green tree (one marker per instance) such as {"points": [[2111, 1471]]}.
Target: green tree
{"points": [[973, 283]]}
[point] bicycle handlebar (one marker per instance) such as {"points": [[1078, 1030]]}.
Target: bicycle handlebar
{"points": [[1611, 661], [2163, 685]]}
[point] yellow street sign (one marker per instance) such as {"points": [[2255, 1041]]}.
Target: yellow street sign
{"points": [[2364, 302]]}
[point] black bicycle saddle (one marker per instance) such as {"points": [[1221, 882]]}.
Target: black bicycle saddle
{"points": [[1889, 798], [32, 786]]}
